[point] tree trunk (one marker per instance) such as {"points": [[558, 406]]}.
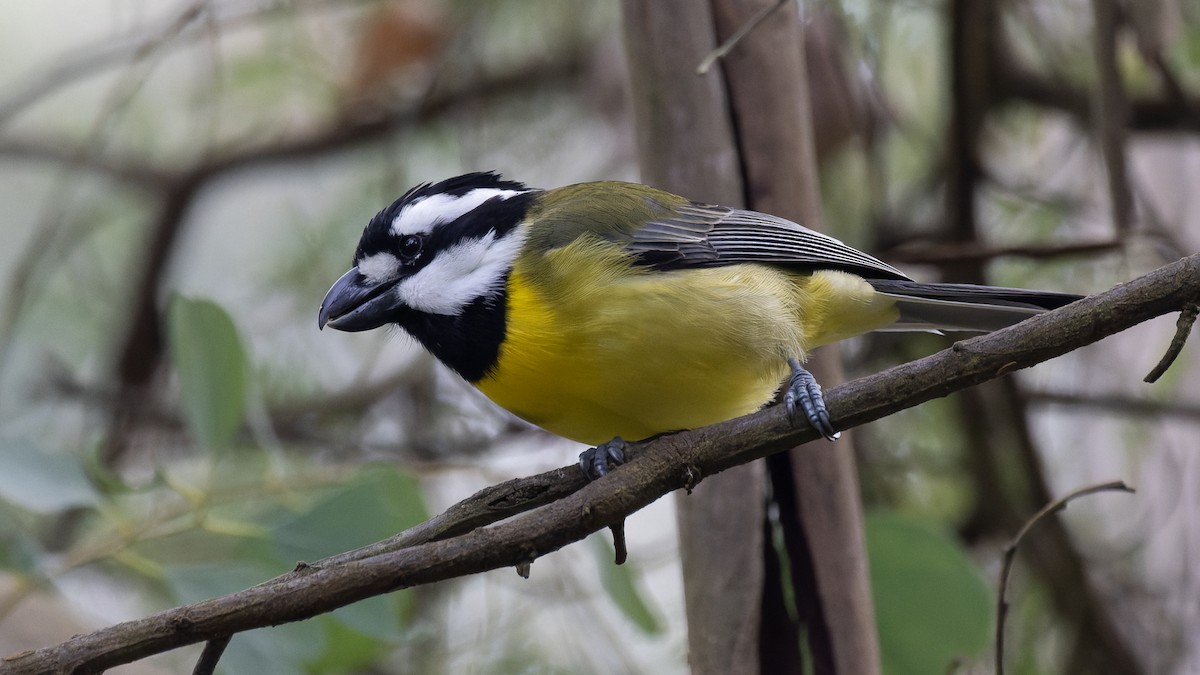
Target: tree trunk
{"points": [[741, 135], [686, 145], [768, 85]]}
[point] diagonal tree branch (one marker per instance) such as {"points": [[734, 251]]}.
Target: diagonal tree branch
{"points": [[658, 467]]}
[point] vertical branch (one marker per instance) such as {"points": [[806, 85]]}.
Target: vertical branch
{"points": [[141, 349], [143, 343], [686, 144]]}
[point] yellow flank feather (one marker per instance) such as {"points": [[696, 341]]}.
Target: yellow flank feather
{"points": [[619, 350]]}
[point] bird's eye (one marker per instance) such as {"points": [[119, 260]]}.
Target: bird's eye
{"points": [[410, 247]]}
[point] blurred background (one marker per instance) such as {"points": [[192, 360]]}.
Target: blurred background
{"points": [[181, 181]]}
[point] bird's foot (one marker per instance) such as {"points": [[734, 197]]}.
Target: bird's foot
{"points": [[803, 393], [595, 461]]}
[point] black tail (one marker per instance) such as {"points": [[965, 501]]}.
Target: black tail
{"points": [[965, 306]]}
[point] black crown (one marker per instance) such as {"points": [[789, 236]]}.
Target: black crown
{"points": [[460, 185]]}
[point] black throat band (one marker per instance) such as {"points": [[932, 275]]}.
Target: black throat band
{"points": [[468, 342]]}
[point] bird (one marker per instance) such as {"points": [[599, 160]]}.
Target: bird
{"points": [[610, 311]]}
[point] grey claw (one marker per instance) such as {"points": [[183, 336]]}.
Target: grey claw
{"points": [[804, 393], [595, 461]]}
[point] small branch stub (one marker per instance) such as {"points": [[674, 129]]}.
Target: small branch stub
{"points": [[618, 534], [691, 478], [1183, 328], [213, 649]]}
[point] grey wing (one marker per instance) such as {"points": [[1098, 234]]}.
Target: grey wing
{"points": [[700, 235]]}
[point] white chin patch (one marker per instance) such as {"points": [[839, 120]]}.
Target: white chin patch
{"points": [[424, 215], [458, 275], [379, 267]]}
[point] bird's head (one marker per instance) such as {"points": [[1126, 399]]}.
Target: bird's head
{"points": [[435, 250]]}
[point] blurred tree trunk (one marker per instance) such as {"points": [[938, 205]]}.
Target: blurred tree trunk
{"points": [[742, 135], [686, 145], [816, 491]]}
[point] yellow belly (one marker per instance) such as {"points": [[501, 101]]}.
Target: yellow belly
{"points": [[635, 353]]}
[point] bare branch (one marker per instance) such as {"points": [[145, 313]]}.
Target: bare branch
{"points": [[342, 134], [126, 170], [657, 467]]}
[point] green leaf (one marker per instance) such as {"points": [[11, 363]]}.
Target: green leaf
{"points": [[346, 650], [619, 582], [212, 369], [43, 482], [931, 604], [378, 503]]}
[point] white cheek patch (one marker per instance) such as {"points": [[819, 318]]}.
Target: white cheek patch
{"points": [[379, 267], [458, 275], [424, 215]]}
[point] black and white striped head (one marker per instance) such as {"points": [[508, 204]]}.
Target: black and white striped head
{"points": [[436, 251]]}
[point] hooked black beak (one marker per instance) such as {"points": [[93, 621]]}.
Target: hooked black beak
{"points": [[354, 304]]}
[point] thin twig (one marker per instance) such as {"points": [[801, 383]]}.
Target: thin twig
{"points": [[1111, 110], [1183, 328], [1010, 553], [213, 649], [725, 47]]}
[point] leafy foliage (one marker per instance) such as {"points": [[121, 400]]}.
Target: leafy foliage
{"points": [[620, 582], [932, 607], [211, 363]]}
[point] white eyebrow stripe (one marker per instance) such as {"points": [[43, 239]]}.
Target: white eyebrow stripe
{"points": [[379, 267], [425, 214], [470, 269]]}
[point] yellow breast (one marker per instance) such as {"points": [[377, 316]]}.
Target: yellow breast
{"points": [[596, 348]]}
